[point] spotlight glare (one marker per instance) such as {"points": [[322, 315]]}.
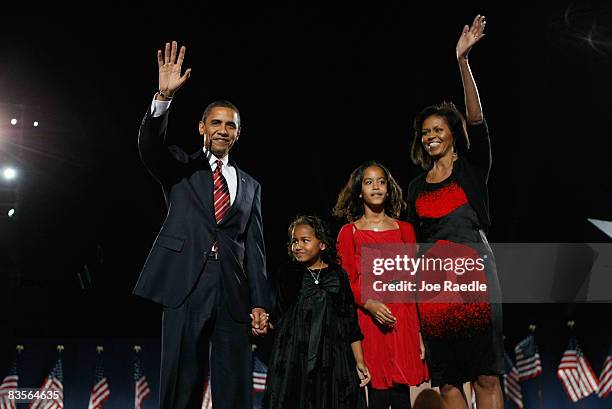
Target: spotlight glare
{"points": [[11, 212], [35, 124], [14, 121], [9, 173]]}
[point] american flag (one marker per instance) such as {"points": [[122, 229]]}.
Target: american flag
{"points": [[9, 383], [576, 374], [512, 387], [528, 362], [141, 386], [52, 384], [207, 399], [100, 391], [473, 396], [260, 374], [605, 379]]}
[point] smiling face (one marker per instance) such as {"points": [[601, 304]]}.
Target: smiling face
{"points": [[436, 136], [220, 130], [305, 246], [374, 186]]}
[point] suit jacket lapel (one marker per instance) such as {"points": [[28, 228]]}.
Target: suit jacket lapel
{"points": [[202, 183]]}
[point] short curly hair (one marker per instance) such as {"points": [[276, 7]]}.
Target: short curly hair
{"points": [[220, 104], [456, 123], [350, 206], [329, 255]]}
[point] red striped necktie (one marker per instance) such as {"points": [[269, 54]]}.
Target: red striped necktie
{"points": [[221, 194]]}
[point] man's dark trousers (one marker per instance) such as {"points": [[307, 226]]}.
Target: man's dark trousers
{"points": [[198, 335]]}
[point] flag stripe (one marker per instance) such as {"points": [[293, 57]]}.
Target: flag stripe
{"points": [[605, 383], [512, 387], [528, 362], [141, 386], [9, 383], [576, 374], [52, 383]]}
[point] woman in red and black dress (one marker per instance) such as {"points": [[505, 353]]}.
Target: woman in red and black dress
{"points": [[371, 202], [448, 205]]}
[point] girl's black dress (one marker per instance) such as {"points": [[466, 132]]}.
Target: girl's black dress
{"points": [[311, 364]]}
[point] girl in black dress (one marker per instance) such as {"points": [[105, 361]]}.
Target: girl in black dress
{"points": [[316, 360], [448, 205]]}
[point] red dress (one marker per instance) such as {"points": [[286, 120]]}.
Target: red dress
{"points": [[393, 357]]}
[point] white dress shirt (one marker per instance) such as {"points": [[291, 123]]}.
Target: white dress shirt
{"points": [[159, 108]]}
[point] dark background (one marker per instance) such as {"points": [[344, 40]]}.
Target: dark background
{"points": [[320, 91]]}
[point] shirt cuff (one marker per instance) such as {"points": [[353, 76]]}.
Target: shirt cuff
{"points": [[158, 108]]}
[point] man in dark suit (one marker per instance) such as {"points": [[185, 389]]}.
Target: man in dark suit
{"points": [[207, 265]]}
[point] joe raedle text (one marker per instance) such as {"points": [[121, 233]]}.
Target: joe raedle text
{"points": [[410, 286]]}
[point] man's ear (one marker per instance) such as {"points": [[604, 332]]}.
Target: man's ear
{"points": [[202, 130], [322, 246], [238, 132]]}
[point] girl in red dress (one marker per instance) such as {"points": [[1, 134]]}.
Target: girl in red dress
{"points": [[371, 202]]}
